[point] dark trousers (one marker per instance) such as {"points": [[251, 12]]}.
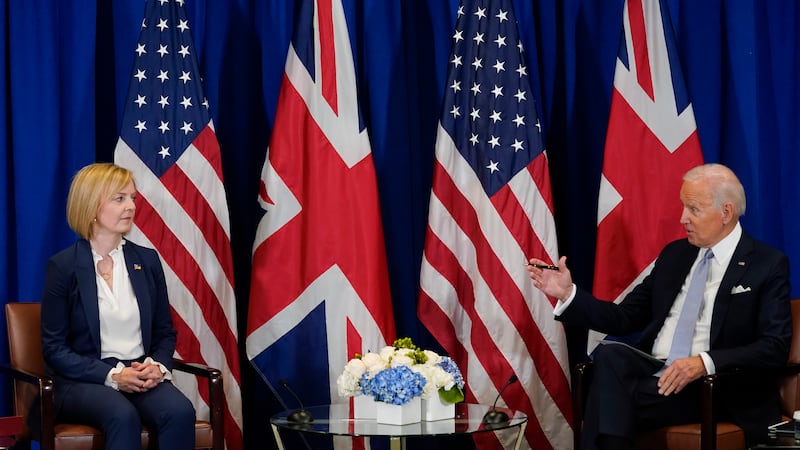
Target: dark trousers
{"points": [[623, 400], [164, 409]]}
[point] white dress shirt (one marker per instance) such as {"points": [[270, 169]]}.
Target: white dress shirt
{"points": [[701, 342], [120, 324]]}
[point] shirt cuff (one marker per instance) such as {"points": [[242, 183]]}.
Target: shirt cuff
{"points": [[114, 370], [563, 304], [711, 369], [167, 375]]}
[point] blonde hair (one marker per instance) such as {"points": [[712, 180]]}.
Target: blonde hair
{"points": [[90, 187]]}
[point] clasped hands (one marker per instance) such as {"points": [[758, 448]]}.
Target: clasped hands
{"points": [[138, 377], [558, 284]]}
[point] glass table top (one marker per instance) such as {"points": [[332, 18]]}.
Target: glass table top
{"points": [[338, 419]]}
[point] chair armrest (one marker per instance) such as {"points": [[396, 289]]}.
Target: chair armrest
{"points": [[45, 387], [196, 369], [22, 375], [216, 396]]}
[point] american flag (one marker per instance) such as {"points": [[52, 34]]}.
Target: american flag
{"points": [[651, 142], [168, 142], [320, 285], [490, 211]]}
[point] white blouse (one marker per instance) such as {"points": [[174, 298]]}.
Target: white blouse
{"points": [[120, 324]]}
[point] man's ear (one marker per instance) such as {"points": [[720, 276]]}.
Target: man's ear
{"points": [[728, 212]]}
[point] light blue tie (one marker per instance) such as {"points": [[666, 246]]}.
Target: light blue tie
{"points": [[684, 331]]}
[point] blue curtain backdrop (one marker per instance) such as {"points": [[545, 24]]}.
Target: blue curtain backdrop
{"points": [[65, 69]]}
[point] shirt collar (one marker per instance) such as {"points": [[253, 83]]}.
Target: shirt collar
{"points": [[97, 257], [723, 250]]}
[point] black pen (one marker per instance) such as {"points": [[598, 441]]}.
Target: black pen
{"points": [[543, 266]]}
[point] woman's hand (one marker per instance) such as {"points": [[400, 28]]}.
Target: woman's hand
{"points": [[150, 373], [139, 377]]}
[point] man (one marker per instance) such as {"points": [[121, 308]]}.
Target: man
{"points": [[742, 320]]}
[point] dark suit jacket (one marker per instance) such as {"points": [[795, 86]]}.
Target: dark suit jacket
{"points": [[70, 315], [750, 330]]}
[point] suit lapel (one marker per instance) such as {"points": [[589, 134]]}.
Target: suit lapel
{"points": [[733, 274]]}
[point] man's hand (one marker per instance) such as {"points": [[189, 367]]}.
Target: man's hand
{"points": [[680, 373], [555, 283]]}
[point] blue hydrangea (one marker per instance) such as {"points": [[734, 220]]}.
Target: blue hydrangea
{"points": [[450, 367], [365, 384], [397, 385]]}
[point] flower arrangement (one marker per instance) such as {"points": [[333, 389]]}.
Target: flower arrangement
{"points": [[400, 372]]}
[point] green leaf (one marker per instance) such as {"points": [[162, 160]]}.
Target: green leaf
{"points": [[453, 395]]}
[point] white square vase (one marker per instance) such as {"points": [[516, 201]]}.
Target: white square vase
{"points": [[390, 414], [364, 407], [434, 408]]}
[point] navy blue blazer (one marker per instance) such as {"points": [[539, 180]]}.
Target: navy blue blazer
{"points": [[749, 330], [70, 314]]}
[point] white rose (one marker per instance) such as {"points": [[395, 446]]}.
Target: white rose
{"points": [[433, 358], [403, 351], [429, 389], [387, 353], [441, 379], [373, 363], [402, 360], [355, 367]]}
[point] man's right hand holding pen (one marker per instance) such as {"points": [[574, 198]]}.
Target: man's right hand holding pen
{"points": [[555, 283]]}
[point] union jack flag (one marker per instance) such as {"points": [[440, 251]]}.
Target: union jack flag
{"points": [[320, 285], [490, 211], [651, 142], [167, 140]]}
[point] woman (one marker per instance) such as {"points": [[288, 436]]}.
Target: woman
{"points": [[107, 334]]}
